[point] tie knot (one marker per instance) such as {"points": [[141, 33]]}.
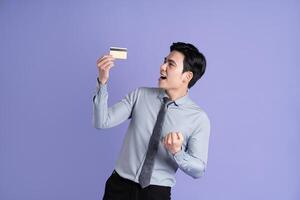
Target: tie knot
{"points": [[167, 101]]}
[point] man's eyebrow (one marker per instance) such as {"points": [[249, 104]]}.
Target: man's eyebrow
{"points": [[170, 60]]}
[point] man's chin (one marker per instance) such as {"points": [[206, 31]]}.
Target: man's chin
{"points": [[161, 86]]}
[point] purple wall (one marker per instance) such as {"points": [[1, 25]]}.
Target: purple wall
{"points": [[48, 51]]}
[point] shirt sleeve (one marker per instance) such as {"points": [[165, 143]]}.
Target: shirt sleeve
{"points": [[193, 159], [107, 117]]}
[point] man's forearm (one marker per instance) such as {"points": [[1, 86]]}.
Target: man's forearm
{"points": [[107, 117], [100, 106], [192, 166]]}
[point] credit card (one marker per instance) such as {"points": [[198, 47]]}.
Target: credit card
{"points": [[118, 52]]}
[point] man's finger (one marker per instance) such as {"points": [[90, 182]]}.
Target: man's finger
{"points": [[101, 59], [165, 140], [179, 135], [106, 66], [169, 139], [104, 57], [104, 62], [174, 138], [181, 138], [109, 66], [165, 143]]}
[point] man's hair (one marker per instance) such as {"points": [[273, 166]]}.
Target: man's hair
{"points": [[194, 60]]}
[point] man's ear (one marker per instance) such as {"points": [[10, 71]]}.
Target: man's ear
{"points": [[188, 76]]}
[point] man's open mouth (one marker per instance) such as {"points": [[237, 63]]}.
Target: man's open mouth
{"points": [[163, 77]]}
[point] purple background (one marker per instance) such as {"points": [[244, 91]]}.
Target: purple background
{"points": [[48, 52]]}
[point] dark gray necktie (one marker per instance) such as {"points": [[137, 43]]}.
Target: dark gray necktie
{"points": [[146, 172]]}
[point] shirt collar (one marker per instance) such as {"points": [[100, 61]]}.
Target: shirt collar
{"points": [[180, 101]]}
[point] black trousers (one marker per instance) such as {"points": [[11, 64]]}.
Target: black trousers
{"points": [[119, 188]]}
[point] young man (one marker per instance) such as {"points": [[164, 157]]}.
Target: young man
{"points": [[167, 130]]}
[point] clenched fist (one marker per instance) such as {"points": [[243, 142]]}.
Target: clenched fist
{"points": [[173, 142]]}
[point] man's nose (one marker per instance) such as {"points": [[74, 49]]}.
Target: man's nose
{"points": [[163, 67]]}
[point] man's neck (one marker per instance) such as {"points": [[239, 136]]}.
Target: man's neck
{"points": [[176, 94]]}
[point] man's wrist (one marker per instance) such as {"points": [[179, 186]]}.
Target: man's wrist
{"points": [[98, 80], [175, 152], [178, 156]]}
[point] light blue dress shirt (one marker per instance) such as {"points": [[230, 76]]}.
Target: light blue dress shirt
{"points": [[141, 106]]}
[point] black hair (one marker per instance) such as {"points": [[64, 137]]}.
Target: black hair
{"points": [[194, 60]]}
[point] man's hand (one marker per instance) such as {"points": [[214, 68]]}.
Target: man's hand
{"points": [[104, 64], [173, 142]]}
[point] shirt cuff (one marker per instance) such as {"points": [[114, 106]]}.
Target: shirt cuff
{"points": [[101, 90], [101, 87]]}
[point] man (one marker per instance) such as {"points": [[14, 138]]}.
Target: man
{"points": [[167, 130]]}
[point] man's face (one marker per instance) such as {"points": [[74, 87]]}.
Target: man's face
{"points": [[171, 76]]}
